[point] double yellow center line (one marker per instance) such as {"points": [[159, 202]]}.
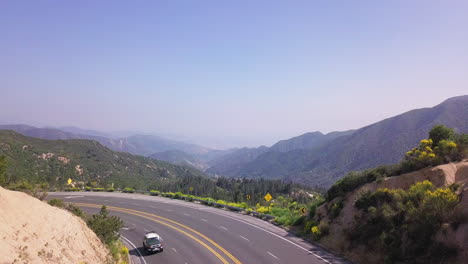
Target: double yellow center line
{"points": [[176, 226]]}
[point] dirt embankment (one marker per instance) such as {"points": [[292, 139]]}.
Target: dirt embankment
{"points": [[32, 231], [440, 176]]}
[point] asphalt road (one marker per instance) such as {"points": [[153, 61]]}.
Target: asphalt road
{"points": [[193, 233]]}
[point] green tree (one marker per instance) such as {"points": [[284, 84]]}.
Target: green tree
{"points": [[105, 226], [439, 133]]}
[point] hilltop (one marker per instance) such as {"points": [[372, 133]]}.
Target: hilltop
{"points": [[54, 161]]}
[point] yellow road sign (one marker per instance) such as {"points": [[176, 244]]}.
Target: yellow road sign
{"points": [[268, 197], [303, 210], [248, 196], [69, 181], [190, 188]]}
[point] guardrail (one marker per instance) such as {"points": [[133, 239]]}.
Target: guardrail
{"points": [[190, 199]]}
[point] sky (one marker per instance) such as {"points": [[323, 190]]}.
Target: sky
{"points": [[228, 73]]}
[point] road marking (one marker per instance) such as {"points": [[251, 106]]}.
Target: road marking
{"points": [[146, 230], [152, 218], [244, 238], [223, 227], [142, 260], [289, 241], [125, 228], [187, 214], [169, 210], [273, 255], [136, 204], [174, 250], [204, 220], [68, 197]]}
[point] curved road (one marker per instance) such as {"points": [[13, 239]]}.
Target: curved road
{"points": [[193, 233]]}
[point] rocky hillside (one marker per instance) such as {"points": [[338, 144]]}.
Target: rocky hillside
{"points": [[35, 232], [54, 161], [352, 224]]}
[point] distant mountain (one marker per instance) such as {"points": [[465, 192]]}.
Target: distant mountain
{"points": [[179, 157], [77, 130], [269, 160], [137, 144], [230, 164], [54, 161], [307, 141], [324, 162], [146, 145]]}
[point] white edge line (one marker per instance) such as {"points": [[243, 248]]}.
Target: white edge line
{"points": [[287, 240], [223, 227], [69, 197], [272, 255], [242, 221], [204, 220], [244, 237], [174, 250], [142, 260]]}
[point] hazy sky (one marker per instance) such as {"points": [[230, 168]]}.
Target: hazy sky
{"points": [[228, 73]]}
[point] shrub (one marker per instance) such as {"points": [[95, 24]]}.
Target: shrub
{"points": [[403, 223], [263, 210], [439, 133], [335, 208], [308, 226], [98, 189], [57, 203], [178, 195], [154, 193], [128, 190], [324, 227], [87, 189], [72, 189], [105, 226], [76, 211], [297, 220], [355, 179], [110, 189], [316, 233]]}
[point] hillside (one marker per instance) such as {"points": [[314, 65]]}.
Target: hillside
{"points": [[307, 141], [361, 223], [35, 232], [136, 144], [179, 157], [381, 143], [54, 161], [230, 164]]}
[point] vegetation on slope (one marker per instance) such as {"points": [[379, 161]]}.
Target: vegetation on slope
{"points": [[106, 227], [55, 161], [402, 223], [398, 225], [442, 146]]}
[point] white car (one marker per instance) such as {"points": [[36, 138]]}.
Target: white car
{"points": [[152, 242]]}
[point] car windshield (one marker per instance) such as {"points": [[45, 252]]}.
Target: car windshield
{"points": [[153, 241]]}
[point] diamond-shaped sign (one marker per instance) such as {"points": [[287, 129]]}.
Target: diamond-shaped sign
{"points": [[268, 197], [69, 181], [190, 188], [303, 210]]}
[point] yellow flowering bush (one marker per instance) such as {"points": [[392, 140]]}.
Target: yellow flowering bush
{"points": [[316, 233]]}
